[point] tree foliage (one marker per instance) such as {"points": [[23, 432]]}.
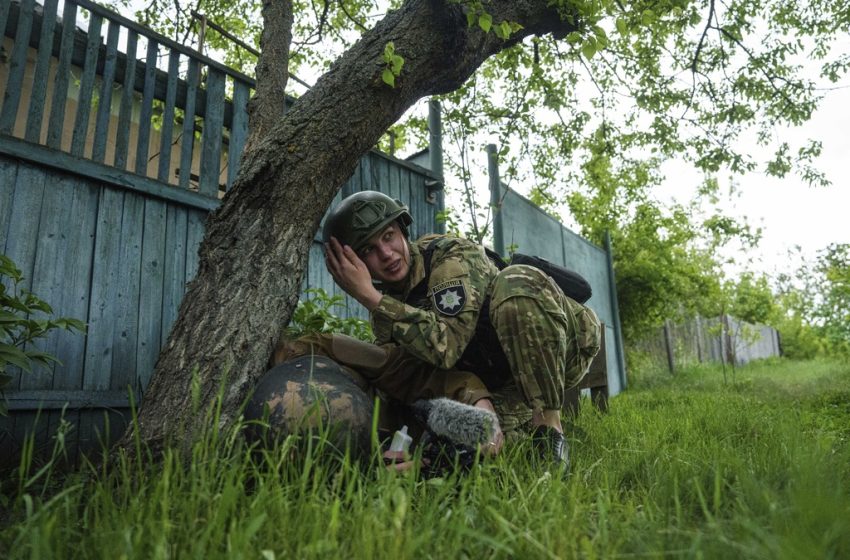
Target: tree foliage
{"points": [[814, 305]]}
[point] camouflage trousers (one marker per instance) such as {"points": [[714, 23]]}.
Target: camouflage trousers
{"points": [[548, 338]]}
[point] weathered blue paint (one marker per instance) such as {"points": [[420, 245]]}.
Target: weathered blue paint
{"points": [[187, 141], [42, 65], [125, 333], [17, 65], [63, 162], [125, 111], [151, 290], [174, 267], [163, 171], [81, 122], [211, 137], [238, 129], [144, 135], [103, 304], [104, 105], [63, 70]]}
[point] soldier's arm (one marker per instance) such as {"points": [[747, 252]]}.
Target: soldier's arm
{"points": [[457, 288]]}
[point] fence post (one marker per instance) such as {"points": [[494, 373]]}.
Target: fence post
{"points": [[435, 151], [495, 198], [615, 311], [699, 339], [669, 346], [729, 355]]}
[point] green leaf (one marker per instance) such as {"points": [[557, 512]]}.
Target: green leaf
{"points": [[396, 64], [574, 38], [647, 17], [42, 357], [389, 50], [622, 27], [588, 48], [11, 355], [505, 29], [388, 77], [470, 18], [485, 22]]}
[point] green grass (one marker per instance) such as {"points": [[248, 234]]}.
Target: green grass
{"points": [[684, 467]]}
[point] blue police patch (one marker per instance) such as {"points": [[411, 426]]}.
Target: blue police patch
{"points": [[449, 297]]}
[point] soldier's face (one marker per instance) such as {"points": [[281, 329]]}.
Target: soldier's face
{"points": [[387, 255]]}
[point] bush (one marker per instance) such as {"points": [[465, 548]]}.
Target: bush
{"points": [[20, 326], [314, 315]]}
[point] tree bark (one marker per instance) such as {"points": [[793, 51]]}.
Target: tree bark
{"points": [[268, 104], [256, 245]]}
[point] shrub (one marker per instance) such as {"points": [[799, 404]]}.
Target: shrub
{"points": [[20, 326]]}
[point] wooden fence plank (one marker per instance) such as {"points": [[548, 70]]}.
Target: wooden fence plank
{"points": [[194, 236], [126, 334], [104, 104], [394, 186], [367, 181], [125, 112], [104, 290], [211, 137], [23, 231], [71, 347], [187, 139], [17, 65], [56, 399], [383, 169], [150, 290], [174, 283], [5, 5], [238, 130], [56, 124], [143, 138], [167, 131], [81, 123], [42, 65], [8, 179], [49, 267]]}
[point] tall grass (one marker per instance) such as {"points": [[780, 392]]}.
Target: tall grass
{"points": [[680, 467]]}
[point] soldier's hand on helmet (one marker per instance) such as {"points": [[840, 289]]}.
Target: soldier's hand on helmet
{"points": [[351, 274]]}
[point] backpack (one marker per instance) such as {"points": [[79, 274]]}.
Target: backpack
{"points": [[571, 283]]}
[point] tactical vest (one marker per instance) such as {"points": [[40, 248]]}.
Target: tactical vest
{"points": [[483, 356]]}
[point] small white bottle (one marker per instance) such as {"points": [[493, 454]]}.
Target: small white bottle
{"points": [[401, 441]]}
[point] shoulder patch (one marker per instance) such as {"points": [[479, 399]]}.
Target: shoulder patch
{"points": [[449, 297]]}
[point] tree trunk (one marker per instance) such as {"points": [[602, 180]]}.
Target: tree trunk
{"points": [[255, 250]]}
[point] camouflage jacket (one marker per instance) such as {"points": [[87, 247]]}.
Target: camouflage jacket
{"points": [[438, 328]]}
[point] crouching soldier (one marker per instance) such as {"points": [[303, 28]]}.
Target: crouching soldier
{"points": [[447, 307]]}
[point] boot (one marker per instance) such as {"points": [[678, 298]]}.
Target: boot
{"points": [[551, 446]]}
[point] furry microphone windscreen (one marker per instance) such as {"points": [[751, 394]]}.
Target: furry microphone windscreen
{"points": [[458, 422]]}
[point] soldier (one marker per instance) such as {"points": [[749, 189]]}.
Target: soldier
{"points": [[442, 301]]}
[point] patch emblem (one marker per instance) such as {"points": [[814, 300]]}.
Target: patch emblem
{"points": [[449, 298]]}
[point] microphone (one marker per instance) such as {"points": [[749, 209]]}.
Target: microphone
{"points": [[456, 422]]}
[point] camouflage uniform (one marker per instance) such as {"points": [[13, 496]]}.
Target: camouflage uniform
{"points": [[515, 329]]}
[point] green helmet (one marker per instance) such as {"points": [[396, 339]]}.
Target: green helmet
{"points": [[311, 395], [360, 216]]}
